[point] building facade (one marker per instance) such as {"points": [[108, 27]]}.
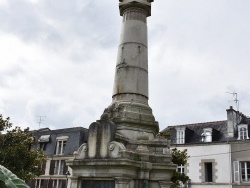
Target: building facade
{"points": [[58, 146], [219, 151]]}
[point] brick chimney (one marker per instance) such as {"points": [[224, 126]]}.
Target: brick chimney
{"points": [[233, 118]]}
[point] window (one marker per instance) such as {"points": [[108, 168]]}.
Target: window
{"points": [[241, 171], [54, 185], [43, 140], [206, 136], [245, 171], [208, 172], [181, 169], [60, 167], [39, 183], [60, 147], [59, 184], [243, 132], [180, 135], [42, 167], [42, 146]]}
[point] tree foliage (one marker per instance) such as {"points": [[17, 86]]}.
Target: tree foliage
{"points": [[179, 158], [15, 151]]}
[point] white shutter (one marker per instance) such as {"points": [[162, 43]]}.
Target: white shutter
{"points": [[236, 171], [177, 137]]}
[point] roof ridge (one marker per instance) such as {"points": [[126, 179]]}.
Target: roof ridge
{"points": [[202, 123], [59, 130]]}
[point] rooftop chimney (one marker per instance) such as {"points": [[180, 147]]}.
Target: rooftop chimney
{"points": [[233, 118]]}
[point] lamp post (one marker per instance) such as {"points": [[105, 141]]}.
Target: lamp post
{"points": [[67, 174]]}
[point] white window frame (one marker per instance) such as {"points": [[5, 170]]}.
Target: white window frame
{"points": [[57, 183], [43, 145], [38, 183], [243, 132], [54, 184], [61, 144], [60, 147], [59, 167], [43, 140], [182, 169], [207, 135], [237, 167], [246, 165], [180, 135]]}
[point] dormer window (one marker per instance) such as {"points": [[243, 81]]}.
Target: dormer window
{"points": [[180, 135], [206, 136], [61, 144], [43, 140], [243, 132]]}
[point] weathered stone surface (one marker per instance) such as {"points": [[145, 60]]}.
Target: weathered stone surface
{"points": [[115, 149], [122, 147], [98, 184], [101, 133], [131, 119]]}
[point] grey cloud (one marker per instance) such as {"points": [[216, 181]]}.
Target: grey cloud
{"points": [[21, 19], [213, 27], [63, 27], [198, 50], [11, 73]]}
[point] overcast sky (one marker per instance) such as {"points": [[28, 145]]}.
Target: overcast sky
{"points": [[57, 59]]}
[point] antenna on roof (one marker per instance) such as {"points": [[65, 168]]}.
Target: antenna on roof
{"points": [[41, 119], [237, 102]]}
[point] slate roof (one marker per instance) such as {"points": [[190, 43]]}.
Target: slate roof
{"points": [[76, 137], [193, 131]]}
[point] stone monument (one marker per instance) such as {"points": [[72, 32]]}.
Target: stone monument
{"points": [[123, 149]]}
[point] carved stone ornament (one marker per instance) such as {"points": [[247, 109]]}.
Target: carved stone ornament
{"points": [[81, 153], [115, 148]]}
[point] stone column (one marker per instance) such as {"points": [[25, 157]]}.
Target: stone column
{"points": [[74, 182], [131, 77], [129, 109], [122, 182]]}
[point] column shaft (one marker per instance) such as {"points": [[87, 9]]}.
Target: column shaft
{"points": [[131, 77]]}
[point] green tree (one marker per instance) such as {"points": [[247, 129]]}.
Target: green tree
{"points": [[15, 151], [179, 158]]}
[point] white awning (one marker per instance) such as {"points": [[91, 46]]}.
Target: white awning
{"points": [[44, 138]]}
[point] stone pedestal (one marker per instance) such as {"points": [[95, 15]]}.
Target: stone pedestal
{"points": [[129, 163], [74, 182], [122, 182]]}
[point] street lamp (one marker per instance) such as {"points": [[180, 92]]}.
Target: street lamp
{"points": [[67, 175]]}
